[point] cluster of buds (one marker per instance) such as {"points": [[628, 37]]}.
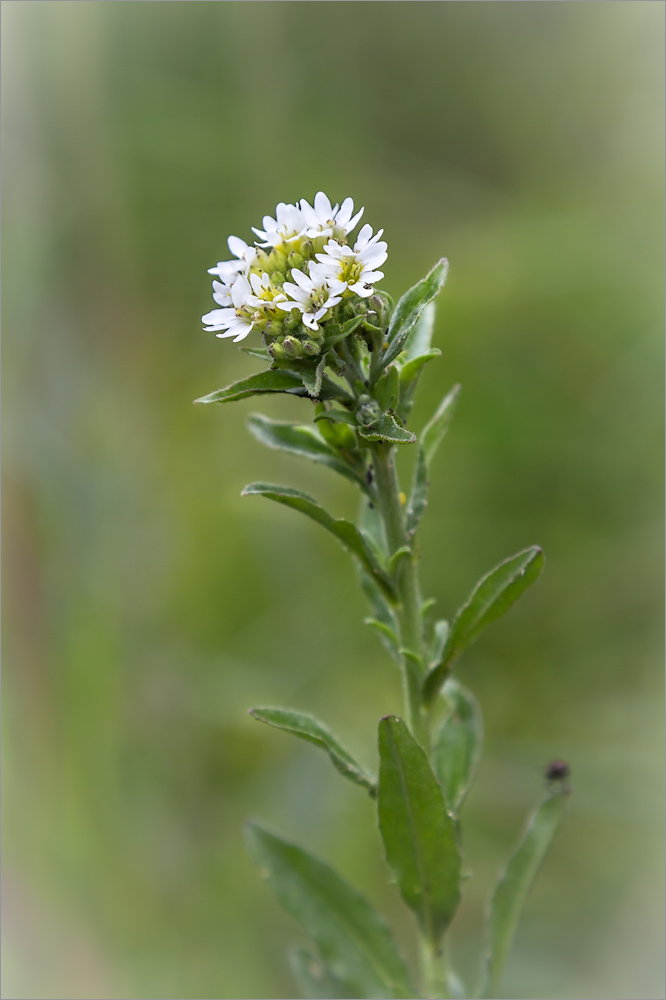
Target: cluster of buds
{"points": [[300, 274]]}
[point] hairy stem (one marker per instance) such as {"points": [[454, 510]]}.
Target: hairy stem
{"points": [[407, 581]]}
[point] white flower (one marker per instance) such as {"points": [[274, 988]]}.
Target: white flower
{"points": [[354, 269], [324, 220], [265, 292], [227, 270], [288, 225], [234, 320], [312, 295]]}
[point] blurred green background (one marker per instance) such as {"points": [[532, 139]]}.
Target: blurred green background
{"points": [[147, 606]]}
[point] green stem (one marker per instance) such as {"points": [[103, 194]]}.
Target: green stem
{"points": [[434, 965], [407, 581]]}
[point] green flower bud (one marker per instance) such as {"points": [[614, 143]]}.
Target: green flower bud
{"points": [[293, 347], [308, 250], [274, 328], [380, 304], [293, 319], [277, 278], [277, 351], [316, 334], [262, 260], [311, 348], [368, 410], [294, 259], [277, 261]]}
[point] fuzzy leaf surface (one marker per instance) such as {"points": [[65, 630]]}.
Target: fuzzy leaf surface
{"points": [[515, 884], [303, 440], [307, 727], [418, 833], [386, 428], [420, 339], [429, 440], [315, 980], [351, 937], [493, 595], [273, 380], [458, 744], [409, 309], [346, 533]]}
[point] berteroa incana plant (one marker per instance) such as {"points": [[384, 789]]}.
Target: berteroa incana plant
{"points": [[308, 288]]}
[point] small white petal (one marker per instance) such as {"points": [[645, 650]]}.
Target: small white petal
{"points": [[237, 246]]}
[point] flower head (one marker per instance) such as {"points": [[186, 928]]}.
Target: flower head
{"points": [[300, 264]]}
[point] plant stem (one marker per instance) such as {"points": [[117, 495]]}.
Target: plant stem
{"points": [[407, 581], [434, 965]]}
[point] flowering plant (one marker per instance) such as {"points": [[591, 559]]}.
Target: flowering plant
{"points": [[330, 336]]}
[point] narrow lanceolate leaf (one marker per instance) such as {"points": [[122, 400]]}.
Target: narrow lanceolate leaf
{"points": [[314, 979], [411, 368], [493, 595], [258, 352], [418, 833], [306, 727], [345, 532], [386, 428], [514, 885], [354, 942], [458, 744], [440, 633], [387, 635], [429, 440], [419, 340], [278, 380], [410, 308], [303, 440]]}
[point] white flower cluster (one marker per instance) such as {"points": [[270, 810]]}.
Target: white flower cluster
{"points": [[298, 271]]}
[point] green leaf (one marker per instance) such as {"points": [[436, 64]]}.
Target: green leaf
{"points": [[397, 558], [347, 534], [387, 635], [314, 979], [432, 434], [386, 428], [458, 744], [429, 440], [440, 633], [312, 376], [273, 380], [335, 333], [420, 338], [515, 884], [337, 416], [258, 352], [387, 388], [411, 368], [303, 440], [306, 727], [410, 308], [418, 833], [493, 595], [351, 937]]}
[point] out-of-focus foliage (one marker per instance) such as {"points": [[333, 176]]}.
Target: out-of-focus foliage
{"points": [[148, 606]]}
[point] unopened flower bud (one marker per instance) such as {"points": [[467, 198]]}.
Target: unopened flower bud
{"points": [[368, 410], [311, 348], [277, 261], [293, 319], [274, 328], [276, 350], [294, 259], [380, 304], [293, 348]]}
